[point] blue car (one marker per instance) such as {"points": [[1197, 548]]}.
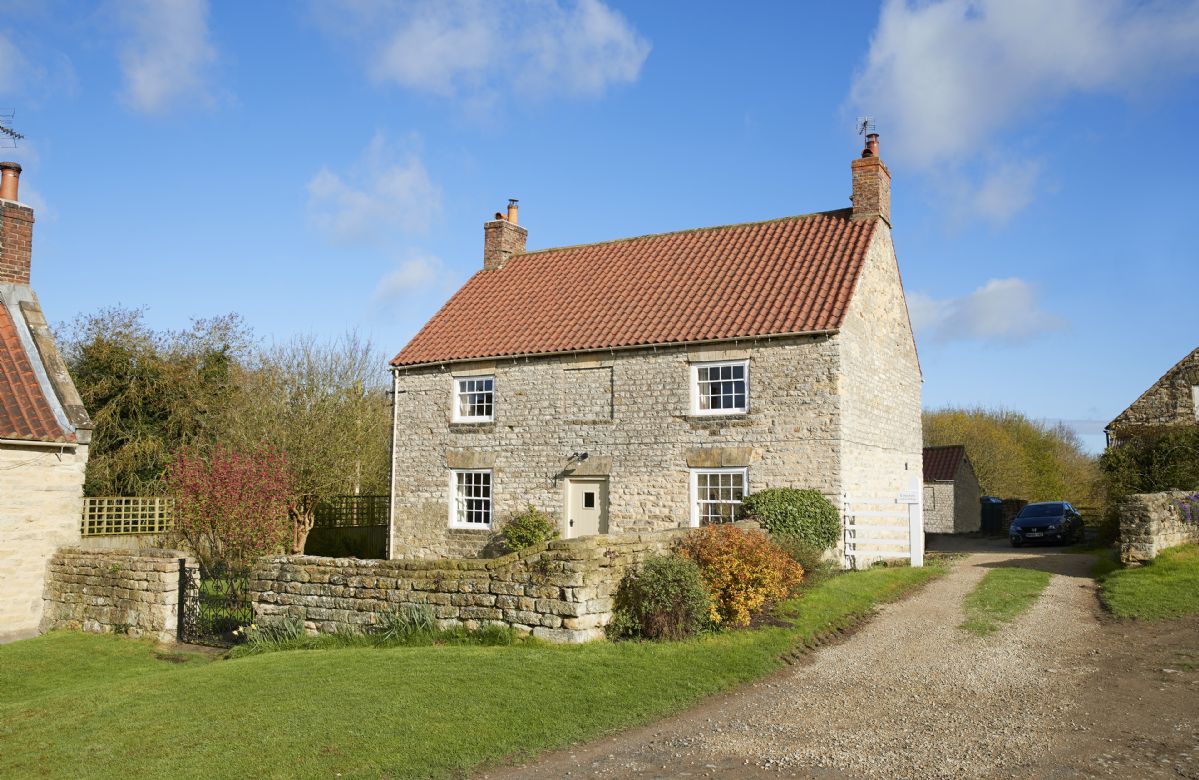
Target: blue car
{"points": [[1047, 521]]}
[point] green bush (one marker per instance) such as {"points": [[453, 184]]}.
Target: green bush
{"points": [[405, 622], [529, 528], [663, 598], [809, 556], [1152, 460], [804, 514]]}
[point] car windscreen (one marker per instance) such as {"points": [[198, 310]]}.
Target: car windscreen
{"points": [[1041, 510]]}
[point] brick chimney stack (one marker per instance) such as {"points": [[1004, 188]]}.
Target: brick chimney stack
{"points": [[871, 184], [16, 228], [502, 238]]}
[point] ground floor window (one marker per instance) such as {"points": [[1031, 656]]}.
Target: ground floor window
{"points": [[470, 499], [716, 494]]}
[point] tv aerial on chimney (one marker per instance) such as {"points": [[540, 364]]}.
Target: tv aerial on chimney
{"points": [[8, 136], [866, 125]]}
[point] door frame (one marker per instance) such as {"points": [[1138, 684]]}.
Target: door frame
{"points": [[569, 484]]}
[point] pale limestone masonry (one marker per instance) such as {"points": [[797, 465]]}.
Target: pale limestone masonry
{"points": [[830, 411], [124, 592], [560, 591], [1171, 400], [1151, 522], [41, 502], [953, 507]]}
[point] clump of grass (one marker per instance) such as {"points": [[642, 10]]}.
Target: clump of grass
{"points": [[1166, 587], [407, 626], [1002, 596]]}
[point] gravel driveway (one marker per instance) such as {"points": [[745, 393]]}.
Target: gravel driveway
{"points": [[912, 695]]}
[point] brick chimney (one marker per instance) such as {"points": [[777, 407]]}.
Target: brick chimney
{"points": [[16, 228], [871, 184], [502, 238]]}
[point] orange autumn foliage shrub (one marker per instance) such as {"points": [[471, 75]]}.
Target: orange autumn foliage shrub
{"points": [[743, 569]]}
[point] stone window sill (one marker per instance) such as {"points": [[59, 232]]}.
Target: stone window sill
{"points": [[487, 427]]}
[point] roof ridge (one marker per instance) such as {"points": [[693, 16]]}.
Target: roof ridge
{"points": [[701, 229]]}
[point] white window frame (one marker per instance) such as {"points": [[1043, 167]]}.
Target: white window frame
{"points": [[1195, 400], [455, 521], [742, 470], [695, 395], [456, 397]]}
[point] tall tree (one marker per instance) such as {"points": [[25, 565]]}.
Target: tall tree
{"points": [[1015, 457], [325, 405], [150, 393]]}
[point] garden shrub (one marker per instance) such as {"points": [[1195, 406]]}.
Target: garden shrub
{"points": [[805, 514], [528, 528], [663, 598], [743, 569], [404, 622], [809, 557]]}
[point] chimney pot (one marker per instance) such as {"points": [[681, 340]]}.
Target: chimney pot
{"points": [[10, 178], [871, 149], [512, 210]]}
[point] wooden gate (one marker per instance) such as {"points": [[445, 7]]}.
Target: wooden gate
{"points": [[879, 528]]}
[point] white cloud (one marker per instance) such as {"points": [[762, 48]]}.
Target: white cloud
{"points": [[382, 193], [477, 50], [947, 78], [1002, 310], [415, 274], [167, 54]]}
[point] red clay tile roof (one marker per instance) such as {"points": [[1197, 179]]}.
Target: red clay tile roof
{"points": [[791, 275], [941, 463], [25, 412]]}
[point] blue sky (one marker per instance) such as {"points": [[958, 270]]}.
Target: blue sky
{"points": [[327, 166]]}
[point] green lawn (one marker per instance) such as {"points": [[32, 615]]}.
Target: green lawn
{"points": [[1166, 587], [1000, 597], [103, 706]]}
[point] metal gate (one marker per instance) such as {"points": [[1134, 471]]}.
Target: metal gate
{"points": [[213, 605]]}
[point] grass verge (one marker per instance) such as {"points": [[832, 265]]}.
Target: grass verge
{"points": [[1166, 587], [113, 706], [1000, 597]]}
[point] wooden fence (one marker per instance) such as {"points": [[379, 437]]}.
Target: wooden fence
{"points": [[112, 515]]}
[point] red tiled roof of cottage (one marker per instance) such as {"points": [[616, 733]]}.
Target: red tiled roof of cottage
{"points": [[941, 463], [784, 276], [25, 412]]}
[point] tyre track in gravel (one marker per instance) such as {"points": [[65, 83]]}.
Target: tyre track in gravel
{"points": [[908, 695]]}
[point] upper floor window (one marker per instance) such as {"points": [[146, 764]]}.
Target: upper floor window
{"points": [[1195, 398], [720, 388], [474, 399]]}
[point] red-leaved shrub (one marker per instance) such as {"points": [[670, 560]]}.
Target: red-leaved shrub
{"points": [[230, 506], [743, 569]]}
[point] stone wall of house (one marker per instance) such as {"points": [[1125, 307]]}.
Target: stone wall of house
{"points": [[41, 502], [967, 500], [939, 508], [880, 381], [1151, 522], [1170, 401], [632, 419], [114, 591], [560, 591]]}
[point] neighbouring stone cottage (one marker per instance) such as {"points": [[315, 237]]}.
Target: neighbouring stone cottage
{"points": [[44, 430], [951, 493], [650, 383], [1170, 401]]}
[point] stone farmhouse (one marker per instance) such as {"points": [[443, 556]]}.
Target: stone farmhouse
{"points": [[44, 430], [651, 383], [951, 492], [1170, 401]]}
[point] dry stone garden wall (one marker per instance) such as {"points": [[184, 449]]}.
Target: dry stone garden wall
{"points": [[560, 591], [114, 591], [1151, 522]]}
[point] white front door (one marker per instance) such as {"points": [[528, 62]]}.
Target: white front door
{"points": [[586, 507]]}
